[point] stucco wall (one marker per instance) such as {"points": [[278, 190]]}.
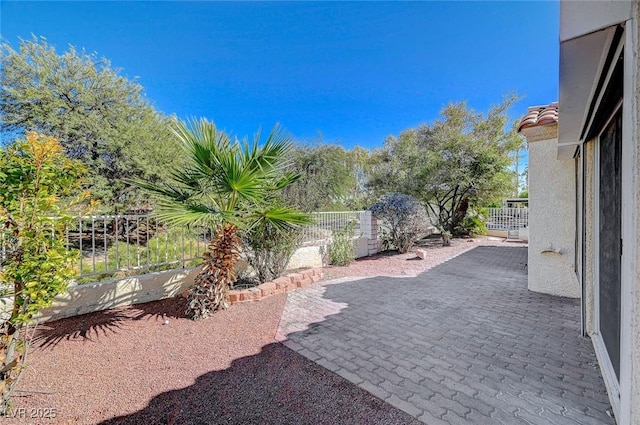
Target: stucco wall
{"points": [[310, 256], [551, 221], [318, 254], [91, 297]]}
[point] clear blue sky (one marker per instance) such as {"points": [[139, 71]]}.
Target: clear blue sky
{"points": [[355, 72]]}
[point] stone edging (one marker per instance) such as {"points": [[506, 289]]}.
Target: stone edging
{"points": [[280, 285]]}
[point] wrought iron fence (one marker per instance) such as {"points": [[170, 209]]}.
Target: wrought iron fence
{"points": [[507, 218], [325, 223], [125, 245], [112, 245]]}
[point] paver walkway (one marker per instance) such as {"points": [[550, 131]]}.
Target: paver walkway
{"points": [[463, 343]]}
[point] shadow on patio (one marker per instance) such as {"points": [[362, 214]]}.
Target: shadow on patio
{"points": [[464, 342]]}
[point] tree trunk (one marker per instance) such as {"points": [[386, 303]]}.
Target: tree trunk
{"points": [[460, 213], [12, 350], [211, 290]]}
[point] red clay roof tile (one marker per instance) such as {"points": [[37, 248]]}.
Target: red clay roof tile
{"points": [[539, 116]]}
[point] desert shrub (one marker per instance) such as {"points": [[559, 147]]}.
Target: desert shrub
{"points": [[269, 249], [342, 250], [385, 240], [40, 187], [404, 220], [474, 222]]}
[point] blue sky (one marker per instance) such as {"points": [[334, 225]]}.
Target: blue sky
{"points": [[355, 72]]}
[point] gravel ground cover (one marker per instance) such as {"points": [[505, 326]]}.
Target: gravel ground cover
{"points": [[394, 264]]}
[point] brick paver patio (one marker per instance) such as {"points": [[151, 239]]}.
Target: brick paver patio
{"points": [[464, 343]]}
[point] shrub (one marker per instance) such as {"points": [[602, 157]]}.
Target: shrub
{"points": [[404, 220], [474, 222], [39, 187], [342, 250], [269, 249]]}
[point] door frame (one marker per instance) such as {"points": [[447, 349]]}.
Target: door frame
{"points": [[606, 366]]}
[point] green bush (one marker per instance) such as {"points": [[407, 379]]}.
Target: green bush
{"points": [[474, 222], [37, 182], [269, 249], [342, 250]]}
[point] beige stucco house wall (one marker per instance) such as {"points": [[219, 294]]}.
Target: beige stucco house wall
{"points": [[551, 215]]}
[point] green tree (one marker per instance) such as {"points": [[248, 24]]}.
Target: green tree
{"points": [[228, 186], [100, 117], [38, 186], [331, 178], [461, 159]]}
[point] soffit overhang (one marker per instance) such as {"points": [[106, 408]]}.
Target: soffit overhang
{"points": [[587, 32]]}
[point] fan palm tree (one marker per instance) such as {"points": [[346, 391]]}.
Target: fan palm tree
{"points": [[227, 186]]}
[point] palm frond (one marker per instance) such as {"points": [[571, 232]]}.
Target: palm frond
{"points": [[227, 181], [175, 193], [281, 218], [288, 178], [181, 213], [273, 155]]}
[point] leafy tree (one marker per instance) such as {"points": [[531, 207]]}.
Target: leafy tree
{"points": [[100, 117], [229, 186], [331, 178], [461, 159], [38, 183]]}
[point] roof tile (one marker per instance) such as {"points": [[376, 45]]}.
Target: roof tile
{"points": [[539, 116]]}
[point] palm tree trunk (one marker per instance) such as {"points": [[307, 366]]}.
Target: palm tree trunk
{"points": [[211, 290]]}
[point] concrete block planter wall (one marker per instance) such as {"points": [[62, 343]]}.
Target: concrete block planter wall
{"points": [[281, 285], [93, 297]]}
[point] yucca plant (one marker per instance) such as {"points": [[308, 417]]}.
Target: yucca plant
{"points": [[227, 185]]}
